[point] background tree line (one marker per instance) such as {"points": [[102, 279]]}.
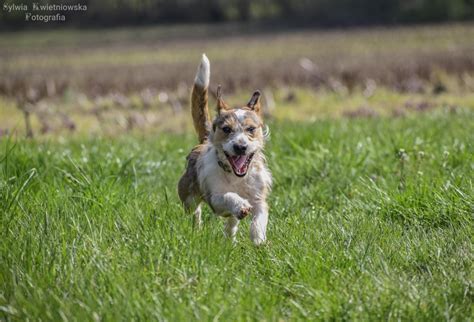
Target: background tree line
{"points": [[108, 13]]}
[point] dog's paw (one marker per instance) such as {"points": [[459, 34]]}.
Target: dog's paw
{"points": [[259, 241], [243, 210]]}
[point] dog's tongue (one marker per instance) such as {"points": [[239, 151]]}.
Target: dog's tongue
{"points": [[239, 161]]}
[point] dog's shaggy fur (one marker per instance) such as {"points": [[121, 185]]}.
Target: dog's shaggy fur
{"points": [[227, 169]]}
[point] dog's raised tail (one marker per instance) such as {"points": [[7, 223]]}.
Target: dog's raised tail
{"points": [[199, 98]]}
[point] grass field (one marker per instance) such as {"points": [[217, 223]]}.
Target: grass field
{"points": [[372, 153], [371, 219]]}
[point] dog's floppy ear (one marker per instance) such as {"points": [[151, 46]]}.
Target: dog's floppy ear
{"points": [[254, 103], [221, 105]]}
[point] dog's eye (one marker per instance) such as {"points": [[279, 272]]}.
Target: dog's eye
{"points": [[226, 129], [251, 129]]}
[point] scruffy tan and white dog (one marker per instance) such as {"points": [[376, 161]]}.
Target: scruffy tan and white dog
{"points": [[228, 168]]}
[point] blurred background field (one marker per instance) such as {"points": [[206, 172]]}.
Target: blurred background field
{"points": [[123, 79]]}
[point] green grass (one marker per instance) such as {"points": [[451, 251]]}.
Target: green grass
{"points": [[371, 219]]}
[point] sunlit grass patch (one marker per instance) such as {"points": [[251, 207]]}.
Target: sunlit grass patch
{"points": [[371, 218]]}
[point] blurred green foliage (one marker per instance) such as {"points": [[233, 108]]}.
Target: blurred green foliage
{"points": [[299, 12]]}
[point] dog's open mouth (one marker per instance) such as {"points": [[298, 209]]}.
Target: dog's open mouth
{"points": [[240, 163]]}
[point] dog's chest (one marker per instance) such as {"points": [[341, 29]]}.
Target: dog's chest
{"points": [[216, 181], [219, 181]]}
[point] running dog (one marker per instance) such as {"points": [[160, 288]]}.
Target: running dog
{"points": [[227, 170]]}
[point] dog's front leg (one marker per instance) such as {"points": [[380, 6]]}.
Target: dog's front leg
{"points": [[231, 226], [258, 227], [231, 203]]}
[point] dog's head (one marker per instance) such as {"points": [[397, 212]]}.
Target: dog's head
{"points": [[238, 134]]}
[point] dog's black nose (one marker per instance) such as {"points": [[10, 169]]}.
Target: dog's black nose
{"points": [[240, 149]]}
